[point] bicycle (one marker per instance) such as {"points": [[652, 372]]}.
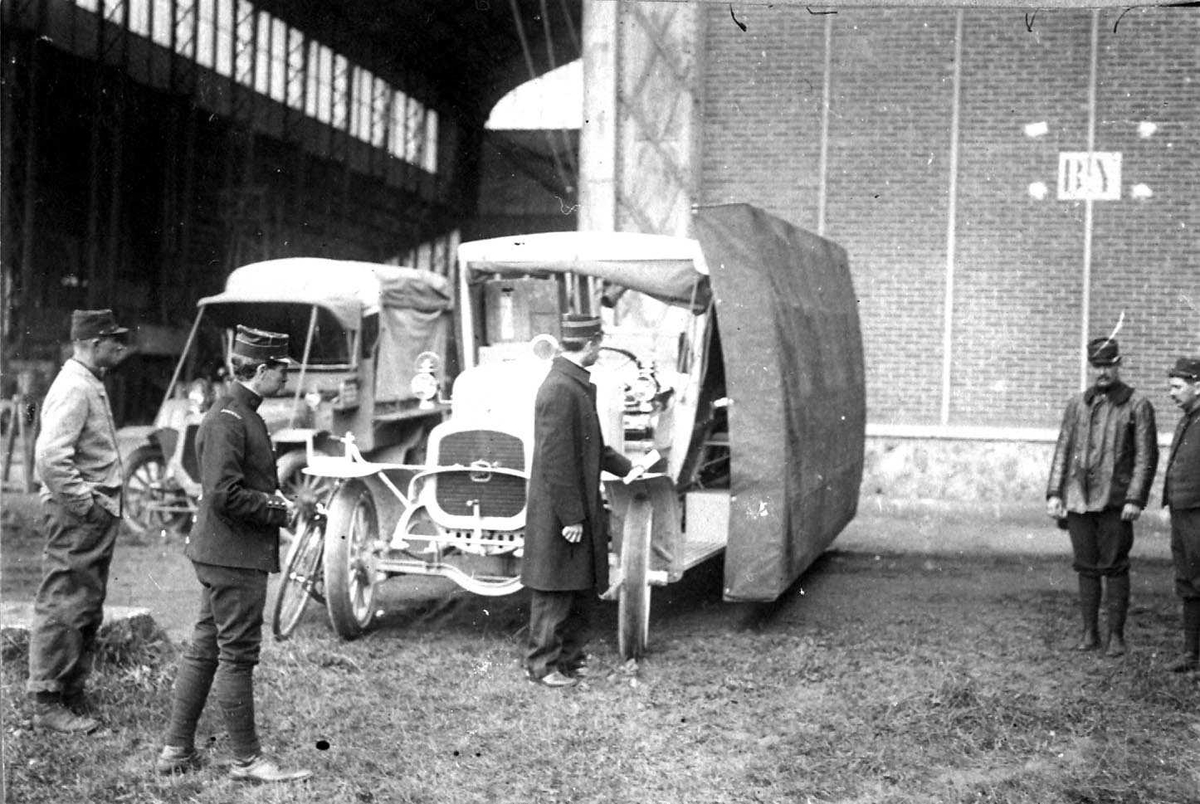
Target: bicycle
{"points": [[303, 574]]}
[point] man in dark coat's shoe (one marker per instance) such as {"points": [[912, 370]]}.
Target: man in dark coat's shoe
{"points": [[566, 531]]}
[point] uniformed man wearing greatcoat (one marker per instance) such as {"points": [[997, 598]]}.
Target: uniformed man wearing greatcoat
{"points": [[566, 534], [233, 545]]}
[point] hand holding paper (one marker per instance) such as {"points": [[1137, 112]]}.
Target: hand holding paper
{"points": [[641, 466]]}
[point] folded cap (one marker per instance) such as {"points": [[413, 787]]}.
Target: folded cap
{"points": [[86, 324], [258, 344]]}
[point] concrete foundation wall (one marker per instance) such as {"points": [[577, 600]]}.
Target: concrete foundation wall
{"points": [[1004, 477]]}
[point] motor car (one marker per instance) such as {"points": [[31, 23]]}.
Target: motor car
{"points": [[731, 370]]}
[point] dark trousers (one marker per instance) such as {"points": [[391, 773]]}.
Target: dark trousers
{"points": [[224, 649], [1185, 550], [69, 606], [1100, 541], [560, 626]]}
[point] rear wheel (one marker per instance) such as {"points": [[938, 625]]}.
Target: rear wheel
{"points": [[351, 537], [633, 607], [148, 492], [302, 578]]}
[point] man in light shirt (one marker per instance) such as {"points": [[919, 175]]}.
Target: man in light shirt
{"points": [[80, 470]]}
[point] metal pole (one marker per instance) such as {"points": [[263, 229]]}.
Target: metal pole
{"points": [[1086, 313], [187, 348], [826, 102], [308, 340], [951, 222]]}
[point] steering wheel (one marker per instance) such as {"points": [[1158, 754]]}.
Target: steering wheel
{"points": [[628, 355], [623, 365]]}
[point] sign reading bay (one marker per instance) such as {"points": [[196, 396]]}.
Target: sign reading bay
{"points": [[1089, 176]]}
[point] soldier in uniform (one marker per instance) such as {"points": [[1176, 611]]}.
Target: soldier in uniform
{"points": [[233, 546], [1100, 478], [80, 469], [1181, 494], [566, 534]]}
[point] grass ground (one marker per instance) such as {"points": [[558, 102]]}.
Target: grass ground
{"points": [[877, 678]]}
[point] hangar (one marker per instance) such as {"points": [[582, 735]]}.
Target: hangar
{"points": [[1007, 184]]}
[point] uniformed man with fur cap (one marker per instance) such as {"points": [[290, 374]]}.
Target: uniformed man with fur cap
{"points": [[1104, 463]]}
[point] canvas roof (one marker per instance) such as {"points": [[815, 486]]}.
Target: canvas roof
{"points": [[348, 289]]}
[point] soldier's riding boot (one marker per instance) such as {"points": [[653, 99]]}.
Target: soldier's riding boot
{"points": [[1118, 606], [1089, 607], [1189, 661]]}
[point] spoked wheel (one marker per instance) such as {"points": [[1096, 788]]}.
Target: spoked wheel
{"points": [[350, 575], [633, 607], [146, 493], [302, 577], [295, 485]]}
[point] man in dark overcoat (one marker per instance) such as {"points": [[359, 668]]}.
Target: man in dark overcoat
{"points": [[1181, 494], [1104, 463], [566, 534], [233, 546]]}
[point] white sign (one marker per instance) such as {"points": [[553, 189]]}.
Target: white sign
{"points": [[1084, 176]]}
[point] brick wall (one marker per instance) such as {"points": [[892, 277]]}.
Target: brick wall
{"points": [[1018, 262]]}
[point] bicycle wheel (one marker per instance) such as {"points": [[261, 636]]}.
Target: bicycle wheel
{"points": [[302, 577]]}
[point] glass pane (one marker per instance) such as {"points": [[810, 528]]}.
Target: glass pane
{"points": [[161, 31], [205, 35], [431, 131], [341, 91], [278, 60], [185, 39], [225, 38], [296, 83], [139, 17]]}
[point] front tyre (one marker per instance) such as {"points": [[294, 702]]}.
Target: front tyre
{"points": [[302, 578], [633, 607], [351, 537]]}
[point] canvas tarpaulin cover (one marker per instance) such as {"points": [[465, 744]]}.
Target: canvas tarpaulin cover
{"points": [[788, 322], [412, 319], [670, 269]]}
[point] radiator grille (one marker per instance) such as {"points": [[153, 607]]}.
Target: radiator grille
{"points": [[498, 495], [468, 446]]}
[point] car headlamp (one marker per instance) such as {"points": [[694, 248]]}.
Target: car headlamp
{"points": [[425, 383], [644, 389], [424, 386], [544, 346]]}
